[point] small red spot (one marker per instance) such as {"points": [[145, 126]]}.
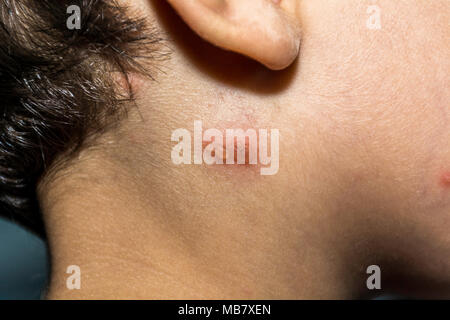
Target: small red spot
{"points": [[445, 179]]}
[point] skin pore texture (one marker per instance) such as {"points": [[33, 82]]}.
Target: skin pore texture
{"points": [[364, 165]]}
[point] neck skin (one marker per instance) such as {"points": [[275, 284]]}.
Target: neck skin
{"points": [[140, 227], [357, 151], [128, 247]]}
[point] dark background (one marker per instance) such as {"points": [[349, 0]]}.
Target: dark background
{"points": [[23, 263]]}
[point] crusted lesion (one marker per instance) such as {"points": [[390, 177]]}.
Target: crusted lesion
{"points": [[445, 179]]}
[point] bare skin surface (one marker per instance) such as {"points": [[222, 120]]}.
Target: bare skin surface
{"points": [[363, 179]]}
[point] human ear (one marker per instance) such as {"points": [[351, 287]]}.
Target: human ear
{"points": [[267, 31]]}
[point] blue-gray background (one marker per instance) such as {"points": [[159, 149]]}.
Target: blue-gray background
{"points": [[23, 263]]}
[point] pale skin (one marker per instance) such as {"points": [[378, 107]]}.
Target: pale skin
{"points": [[364, 159]]}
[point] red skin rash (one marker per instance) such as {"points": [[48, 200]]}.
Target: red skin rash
{"points": [[246, 146], [445, 179], [245, 122]]}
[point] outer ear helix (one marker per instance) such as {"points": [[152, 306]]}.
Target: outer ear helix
{"points": [[267, 31]]}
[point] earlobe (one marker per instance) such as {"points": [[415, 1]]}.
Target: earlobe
{"points": [[265, 30]]}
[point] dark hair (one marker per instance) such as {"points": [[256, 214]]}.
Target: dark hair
{"points": [[56, 87]]}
